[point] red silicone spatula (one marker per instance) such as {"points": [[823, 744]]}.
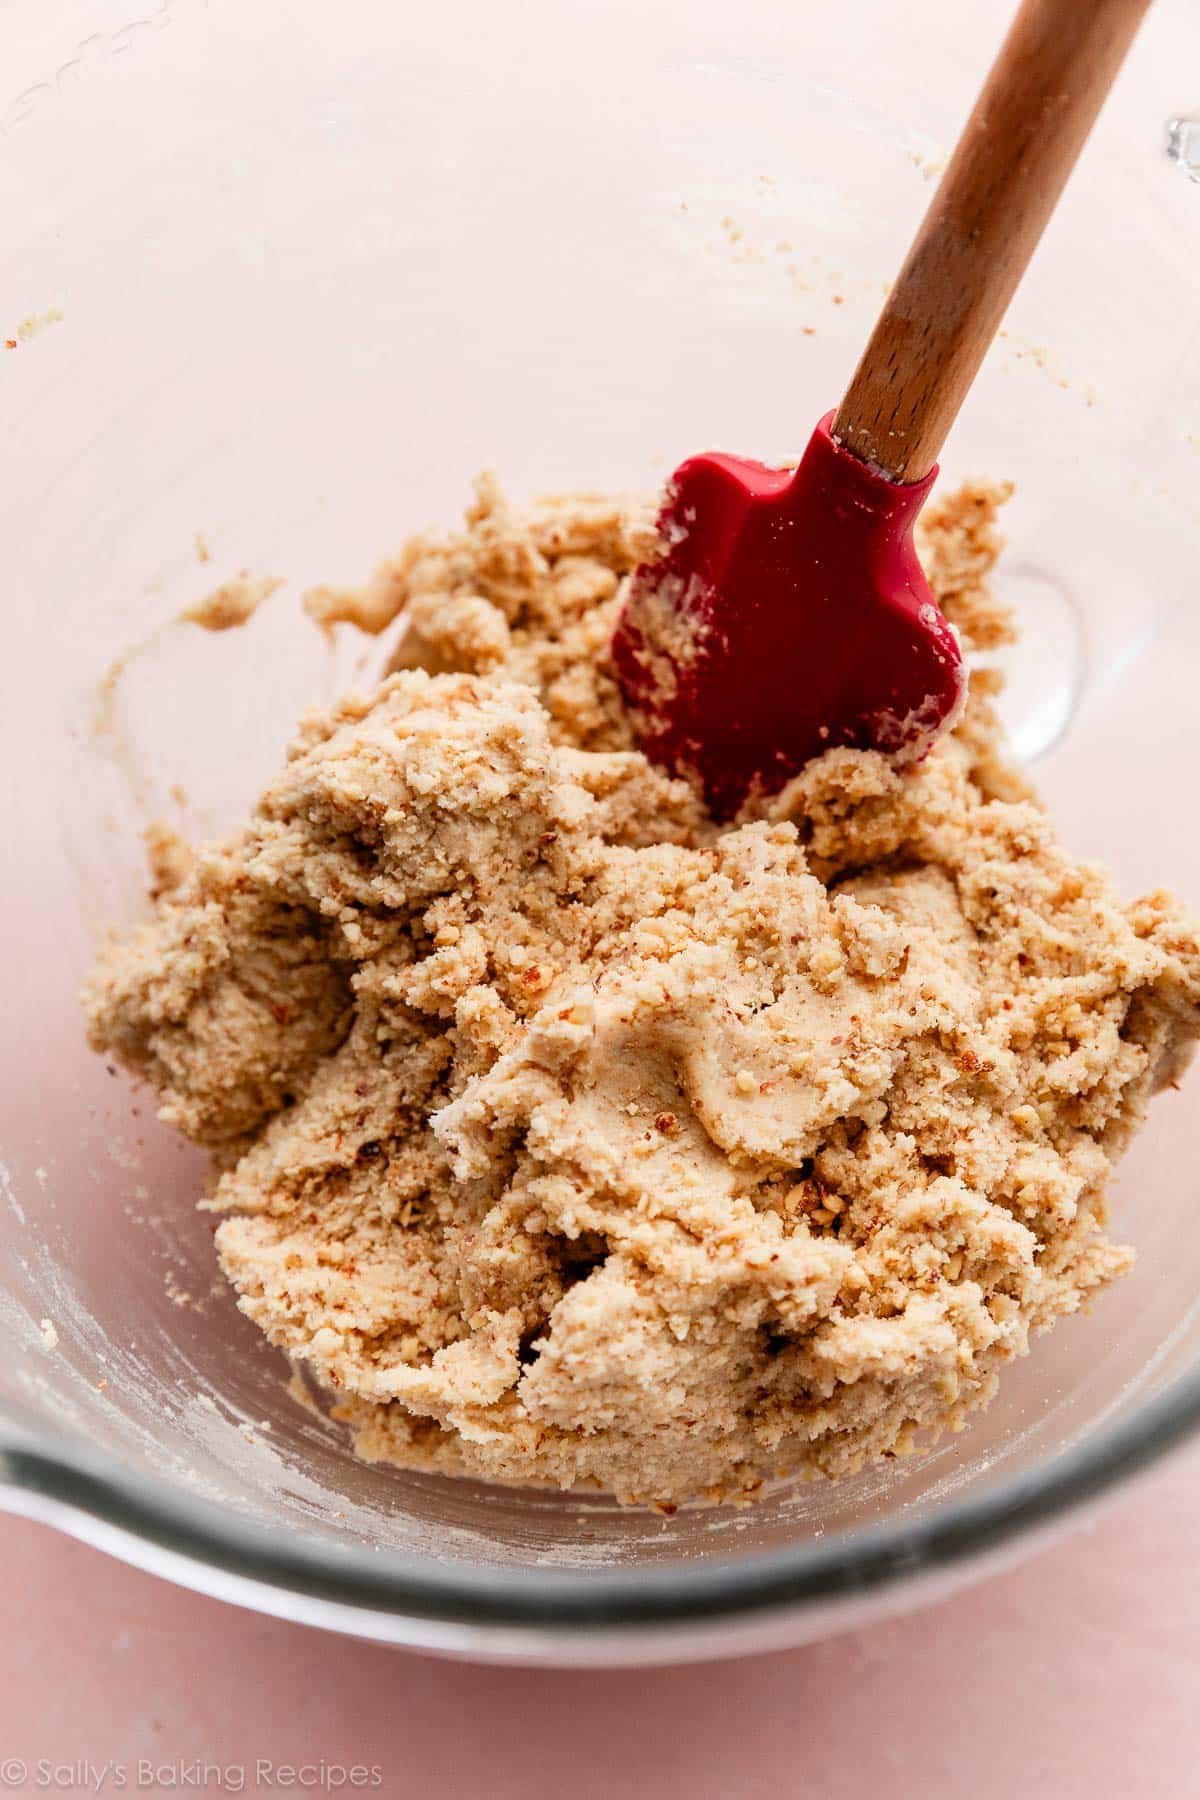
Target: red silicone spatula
{"points": [[787, 612]]}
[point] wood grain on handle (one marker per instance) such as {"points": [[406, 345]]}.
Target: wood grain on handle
{"points": [[1008, 170]]}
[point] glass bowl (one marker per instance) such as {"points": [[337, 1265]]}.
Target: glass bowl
{"points": [[280, 281]]}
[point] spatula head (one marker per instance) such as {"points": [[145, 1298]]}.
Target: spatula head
{"points": [[786, 614]]}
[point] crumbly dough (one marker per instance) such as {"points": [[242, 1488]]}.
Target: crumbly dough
{"points": [[169, 857], [573, 1140], [234, 603]]}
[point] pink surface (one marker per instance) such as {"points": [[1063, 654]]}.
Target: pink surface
{"points": [[1078, 1674]]}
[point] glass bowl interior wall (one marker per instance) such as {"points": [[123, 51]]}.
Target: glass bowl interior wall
{"points": [[279, 285]]}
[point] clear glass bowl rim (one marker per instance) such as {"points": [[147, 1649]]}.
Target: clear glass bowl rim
{"points": [[91, 1486], [73, 1483]]}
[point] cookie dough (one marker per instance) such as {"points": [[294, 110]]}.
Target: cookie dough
{"points": [[570, 1139], [234, 603]]}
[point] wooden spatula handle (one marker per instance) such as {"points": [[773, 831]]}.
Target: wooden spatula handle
{"points": [[983, 224]]}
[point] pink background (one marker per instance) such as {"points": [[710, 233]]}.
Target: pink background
{"points": [[1077, 1674]]}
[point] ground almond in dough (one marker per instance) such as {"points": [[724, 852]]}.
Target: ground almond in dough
{"points": [[573, 1140]]}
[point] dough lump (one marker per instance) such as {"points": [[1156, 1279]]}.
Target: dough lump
{"points": [[570, 1139]]}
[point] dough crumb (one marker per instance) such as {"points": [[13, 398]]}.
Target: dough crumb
{"points": [[168, 857], [233, 603], [33, 325], [567, 1138]]}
